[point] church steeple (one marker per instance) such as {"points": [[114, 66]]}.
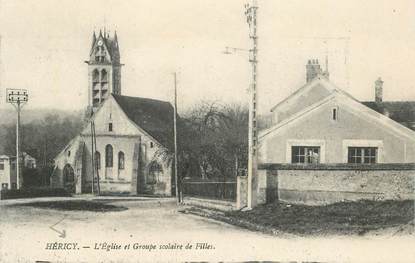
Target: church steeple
{"points": [[104, 69]]}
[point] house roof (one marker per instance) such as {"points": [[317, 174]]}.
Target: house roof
{"points": [[399, 111], [352, 104], [154, 116]]}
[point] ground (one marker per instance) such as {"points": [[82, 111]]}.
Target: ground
{"points": [[343, 218], [25, 233]]}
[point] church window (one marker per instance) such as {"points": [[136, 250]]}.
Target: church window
{"points": [[151, 144], [108, 156], [104, 76], [121, 161], [98, 160], [95, 75], [155, 173], [69, 153], [110, 126]]}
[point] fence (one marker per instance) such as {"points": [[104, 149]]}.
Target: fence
{"points": [[210, 189]]}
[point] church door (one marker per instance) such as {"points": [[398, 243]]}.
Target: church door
{"points": [[69, 178]]}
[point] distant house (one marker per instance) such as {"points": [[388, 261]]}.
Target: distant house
{"points": [[8, 178], [28, 161], [320, 123], [130, 135], [8, 173], [402, 112]]}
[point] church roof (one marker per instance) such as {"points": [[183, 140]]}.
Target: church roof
{"points": [[110, 42], [112, 45], [399, 111], [154, 116]]}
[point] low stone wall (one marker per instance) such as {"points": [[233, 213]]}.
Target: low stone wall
{"points": [[324, 184]]}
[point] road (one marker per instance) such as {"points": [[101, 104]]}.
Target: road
{"points": [[25, 234]]}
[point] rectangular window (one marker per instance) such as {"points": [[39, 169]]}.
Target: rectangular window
{"points": [[362, 155], [1, 166], [334, 113], [305, 154], [110, 127]]}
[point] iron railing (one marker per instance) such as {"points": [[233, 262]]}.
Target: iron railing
{"points": [[210, 189]]}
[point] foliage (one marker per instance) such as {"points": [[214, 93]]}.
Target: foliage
{"points": [[32, 192], [212, 141], [43, 139]]}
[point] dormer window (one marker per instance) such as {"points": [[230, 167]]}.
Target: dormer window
{"points": [[110, 127]]}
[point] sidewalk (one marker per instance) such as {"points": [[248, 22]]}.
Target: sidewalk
{"points": [[87, 197]]}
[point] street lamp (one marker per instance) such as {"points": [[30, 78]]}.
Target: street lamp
{"points": [[17, 97]]}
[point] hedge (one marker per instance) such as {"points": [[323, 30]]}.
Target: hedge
{"points": [[32, 192]]}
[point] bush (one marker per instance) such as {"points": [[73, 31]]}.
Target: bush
{"points": [[32, 192]]}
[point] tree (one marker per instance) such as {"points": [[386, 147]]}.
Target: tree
{"points": [[212, 141], [43, 139]]}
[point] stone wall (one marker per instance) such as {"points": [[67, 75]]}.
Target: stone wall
{"points": [[324, 184]]}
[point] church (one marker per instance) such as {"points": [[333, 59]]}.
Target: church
{"points": [[124, 146]]}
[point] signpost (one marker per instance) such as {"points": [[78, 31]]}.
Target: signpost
{"points": [[17, 97]]}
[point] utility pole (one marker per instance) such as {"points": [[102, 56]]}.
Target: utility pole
{"points": [[92, 156], [175, 140], [17, 97], [251, 18]]}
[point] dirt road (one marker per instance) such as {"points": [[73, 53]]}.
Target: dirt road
{"points": [[154, 230]]}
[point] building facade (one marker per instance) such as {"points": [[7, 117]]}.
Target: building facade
{"points": [[324, 146], [8, 175], [124, 147], [320, 123], [8, 171]]}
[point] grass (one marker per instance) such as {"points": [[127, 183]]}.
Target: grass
{"points": [[339, 218], [77, 205]]}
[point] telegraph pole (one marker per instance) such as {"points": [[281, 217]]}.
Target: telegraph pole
{"points": [[175, 140], [251, 18], [17, 97]]}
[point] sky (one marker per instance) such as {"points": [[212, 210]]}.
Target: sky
{"points": [[44, 44]]}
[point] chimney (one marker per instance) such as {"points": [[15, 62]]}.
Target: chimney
{"points": [[378, 90], [312, 69]]}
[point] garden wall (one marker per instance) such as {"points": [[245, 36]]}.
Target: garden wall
{"points": [[330, 183]]}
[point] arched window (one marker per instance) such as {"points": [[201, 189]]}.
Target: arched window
{"points": [[97, 160], [108, 155], [155, 172], [95, 75], [104, 75], [121, 161]]}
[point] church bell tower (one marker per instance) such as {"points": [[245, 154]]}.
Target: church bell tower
{"points": [[104, 69]]}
